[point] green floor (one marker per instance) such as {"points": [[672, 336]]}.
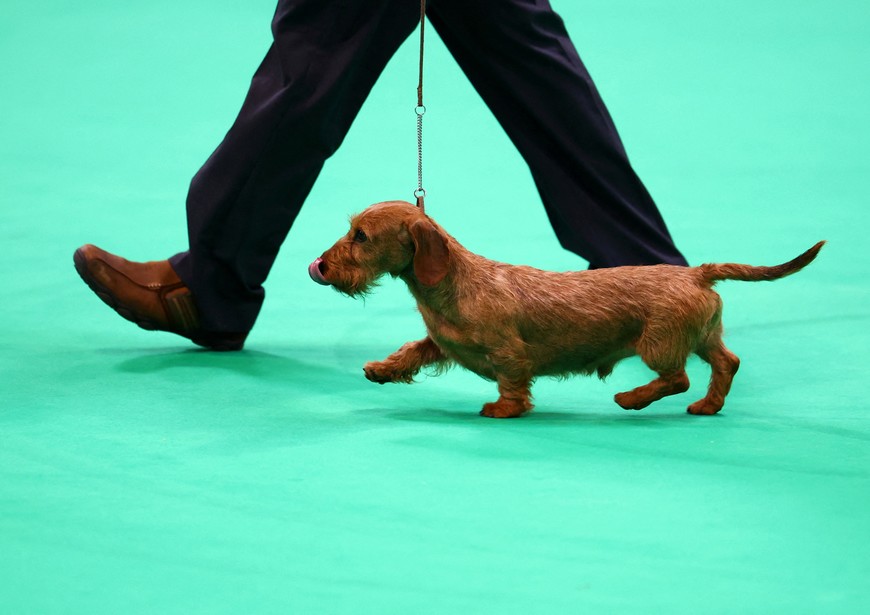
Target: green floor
{"points": [[140, 475]]}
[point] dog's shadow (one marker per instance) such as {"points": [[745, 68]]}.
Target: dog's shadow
{"points": [[440, 416], [569, 435]]}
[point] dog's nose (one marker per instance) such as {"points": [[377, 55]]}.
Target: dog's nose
{"points": [[316, 273]]}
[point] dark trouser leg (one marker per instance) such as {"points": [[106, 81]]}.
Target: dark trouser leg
{"points": [[325, 59], [520, 59]]}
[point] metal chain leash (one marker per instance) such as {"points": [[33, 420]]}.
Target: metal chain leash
{"points": [[420, 110]]}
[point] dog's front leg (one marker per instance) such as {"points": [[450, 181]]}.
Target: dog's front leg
{"points": [[403, 365], [514, 399]]}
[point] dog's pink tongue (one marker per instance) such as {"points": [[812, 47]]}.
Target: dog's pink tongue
{"points": [[315, 273]]}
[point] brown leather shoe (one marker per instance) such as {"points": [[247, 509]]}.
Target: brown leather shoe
{"points": [[149, 294]]}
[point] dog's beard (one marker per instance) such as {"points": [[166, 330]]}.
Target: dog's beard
{"points": [[356, 288]]}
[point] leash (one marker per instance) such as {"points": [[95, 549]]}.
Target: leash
{"points": [[420, 110]]}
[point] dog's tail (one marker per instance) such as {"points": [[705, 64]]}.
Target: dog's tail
{"points": [[713, 272]]}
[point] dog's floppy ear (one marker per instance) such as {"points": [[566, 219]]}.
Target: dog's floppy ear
{"points": [[431, 256]]}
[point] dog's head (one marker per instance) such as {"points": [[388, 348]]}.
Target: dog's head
{"points": [[393, 237]]}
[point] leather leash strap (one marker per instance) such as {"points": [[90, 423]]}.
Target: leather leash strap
{"points": [[420, 193]]}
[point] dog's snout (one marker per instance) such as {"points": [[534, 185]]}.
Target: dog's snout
{"points": [[316, 270]]}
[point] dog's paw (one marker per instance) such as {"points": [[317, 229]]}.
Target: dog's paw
{"points": [[381, 373], [505, 409], [704, 407], [377, 372], [630, 401]]}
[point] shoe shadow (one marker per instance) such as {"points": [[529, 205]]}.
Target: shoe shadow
{"points": [[252, 363]]}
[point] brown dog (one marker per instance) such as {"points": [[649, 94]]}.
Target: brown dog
{"points": [[512, 324]]}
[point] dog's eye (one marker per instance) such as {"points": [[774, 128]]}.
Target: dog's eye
{"points": [[360, 236]]}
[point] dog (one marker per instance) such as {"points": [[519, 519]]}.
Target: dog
{"points": [[512, 324]]}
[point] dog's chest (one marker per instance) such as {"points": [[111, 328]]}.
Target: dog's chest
{"points": [[468, 348], [475, 359]]}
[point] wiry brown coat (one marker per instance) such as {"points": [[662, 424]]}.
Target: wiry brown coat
{"points": [[512, 324]]}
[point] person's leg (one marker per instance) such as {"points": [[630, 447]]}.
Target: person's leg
{"points": [[325, 59], [520, 59]]}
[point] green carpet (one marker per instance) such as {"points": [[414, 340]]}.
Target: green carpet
{"points": [[140, 475]]}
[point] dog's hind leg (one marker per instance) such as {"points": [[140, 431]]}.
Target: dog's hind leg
{"points": [[668, 383], [724, 364], [403, 365], [666, 355]]}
